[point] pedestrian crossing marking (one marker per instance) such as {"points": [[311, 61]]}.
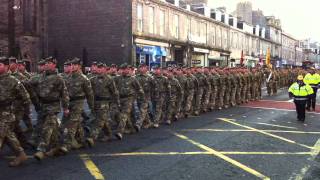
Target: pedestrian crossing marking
{"points": [[263, 132], [274, 125], [224, 157], [93, 169]]}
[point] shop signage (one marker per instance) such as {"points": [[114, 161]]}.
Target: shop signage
{"points": [[201, 50], [196, 61]]}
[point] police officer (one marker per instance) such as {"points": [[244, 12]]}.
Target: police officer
{"points": [[313, 79], [300, 92]]}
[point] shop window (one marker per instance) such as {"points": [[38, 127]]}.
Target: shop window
{"points": [[139, 17]]}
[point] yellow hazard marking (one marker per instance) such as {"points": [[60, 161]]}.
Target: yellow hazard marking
{"points": [[314, 153], [194, 153], [93, 169], [265, 133], [274, 125], [248, 130], [224, 157]]}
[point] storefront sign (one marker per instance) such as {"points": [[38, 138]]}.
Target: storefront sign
{"points": [[206, 51], [196, 61]]}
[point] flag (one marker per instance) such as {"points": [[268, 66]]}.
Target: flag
{"points": [[242, 58], [268, 60]]}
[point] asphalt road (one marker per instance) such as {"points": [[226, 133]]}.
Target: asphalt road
{"points": [[247, 142]]}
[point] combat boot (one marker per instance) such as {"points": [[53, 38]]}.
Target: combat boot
{"points": [[90, 142], [64, 150], [39, 155], [53, 152], [119, 136], [22, 157]]}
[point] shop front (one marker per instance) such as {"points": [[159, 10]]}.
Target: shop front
{"points": [[150, 55], [214, 59], [199, 57]]}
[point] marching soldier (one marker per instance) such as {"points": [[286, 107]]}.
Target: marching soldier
{"points": [[206, 90], [312, 79], [52, 91], [172, 101], [11, 90], [214, 89], [79, 89], [191, 85]]}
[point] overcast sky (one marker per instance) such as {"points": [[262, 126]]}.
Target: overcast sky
{"points": [[299, 18]]}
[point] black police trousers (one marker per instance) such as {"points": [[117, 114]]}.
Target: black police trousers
{"points": [[301, 109], [312, 99]]}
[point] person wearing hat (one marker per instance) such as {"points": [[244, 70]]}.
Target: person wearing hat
{"points": [[300, 92], [313, 79], [79, 90], [53, 96], [11, 90], [22, 68]]}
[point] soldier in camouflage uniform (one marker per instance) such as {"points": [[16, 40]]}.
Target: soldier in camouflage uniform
{"points": [[11, 90], [239, 81], [19, 109], [52, 91], [160, 90], [183, 83], [79, 89], [114, 109], [234, 87], [207, 90], [129, 89], [191, 86], [214, 81], [174, 96], [146, 81], [221, 89], [201, 79], [22, 68], [253, 83], [226, 101], [245, 86], [105, 92]]}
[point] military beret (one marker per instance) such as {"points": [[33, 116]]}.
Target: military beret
{"points": [[12, 60], [21, 62], [114, 66], [51, 60], [100, 65], [75, 61], [67, 62], [41, 62], [123, 66], [4, 60]]}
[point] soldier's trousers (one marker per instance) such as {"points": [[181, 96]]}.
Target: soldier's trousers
{"points": [[50, 133], [269, 87], [206, 99], [172, 108], [144, 113], [244, 94], [188, 102], [221, 95], [180, 102], [158, 108], [259, 89], [253, 89], [198, 100], [101, 125], [248, 95], [74, 133], [275, 87], [227, 97], [8, 136], [18, 129], [27, 119], [213, 96], [125, 113], [233, 96], [238, 95]]}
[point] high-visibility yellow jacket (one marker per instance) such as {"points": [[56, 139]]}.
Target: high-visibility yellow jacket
{"points": [[312, 79], [300, 92]]}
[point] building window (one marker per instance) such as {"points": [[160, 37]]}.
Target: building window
{"points": [[176, 26], [151, 20], [162, 22], [214, 35], [139, 17]]}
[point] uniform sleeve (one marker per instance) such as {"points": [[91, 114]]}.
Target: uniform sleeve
{"points": [[138, 89], [114, 91], [64, 95], [23, 94], [309, 89], [290, 90], [89, 93]]}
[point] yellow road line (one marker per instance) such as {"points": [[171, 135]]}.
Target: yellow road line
{"points": [[93, 169], [274, 125], [195, 153], [265, 133], [224, 157], [248, 130], [314, 153]]}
